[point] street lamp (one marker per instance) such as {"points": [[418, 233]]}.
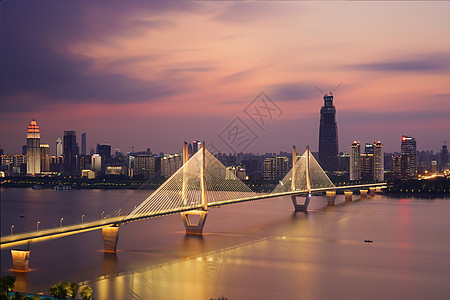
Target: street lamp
{"points": [[37, 225], [60, 222], [82, 219], [102, 215], [12, 229]]}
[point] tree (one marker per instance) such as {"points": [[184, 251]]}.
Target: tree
{"points": [[86, 293], [73, 289], [6, 285], [59, 290]]}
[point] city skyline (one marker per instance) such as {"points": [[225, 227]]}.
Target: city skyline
{"points": [[134, 74]]}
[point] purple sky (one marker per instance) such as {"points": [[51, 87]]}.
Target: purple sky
{"points": [[153, 74]]}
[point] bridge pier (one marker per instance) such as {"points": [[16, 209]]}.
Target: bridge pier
{"points": [[20, 260], [372, 191], [363, 193], [331, 197], [110, 236], [301, 207], [196, 229], [348, 195]]}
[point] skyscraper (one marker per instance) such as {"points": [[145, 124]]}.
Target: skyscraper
{"points": [[408, 148], [195, 146], [105, 152], [59, 147], [70, 152], [45, 158], [443, 159], [378, 161], [328, 136], [355, 167], [33, 149], [83, 143]]}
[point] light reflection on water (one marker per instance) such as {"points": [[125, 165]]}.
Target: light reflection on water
{"points": [[261, 250]]}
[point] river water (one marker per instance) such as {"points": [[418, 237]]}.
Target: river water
{"points": [[255, 250]]}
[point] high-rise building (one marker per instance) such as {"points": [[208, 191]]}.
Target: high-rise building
{"points": [[96, 163], [368, 148], [145, 165], [355, 167], [400, 164], [45, 158], [59, 147], [105, 152], [366, 162], [378, 161], [33, 149], [328, 136], [83, 143], [275, 168], [170, 164], [70, 153], [443, 159], [408, 148], [195, 145]]}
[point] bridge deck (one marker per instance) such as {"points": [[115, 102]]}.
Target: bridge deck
{"points": [[41, 235]]}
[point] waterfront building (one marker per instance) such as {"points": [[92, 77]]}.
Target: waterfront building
{"points": [[33, 149], [19, 165], [96, 163], [70, 153], [378, 161], [408, 148], [116, 170], [328, 136], [400, 163], [45, 158], [57, 164], [145, 165], [85, 162], [89, 174], [366, 163], [59, 147], [355, 167]]}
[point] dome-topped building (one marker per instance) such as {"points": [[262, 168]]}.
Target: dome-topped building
{"points": [[33, 149]]}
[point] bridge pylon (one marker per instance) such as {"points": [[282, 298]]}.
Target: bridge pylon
{"points": [[192, 228], [300, 206], [110, 237]]}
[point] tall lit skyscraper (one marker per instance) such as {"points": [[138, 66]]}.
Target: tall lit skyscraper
{"points": [[33, 149], [59, 147], [408, 148], [378, 161], [355, 167], [70, 152], [45, 158], [328, 136], [83, 143]]}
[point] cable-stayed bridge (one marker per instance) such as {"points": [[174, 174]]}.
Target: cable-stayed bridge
{"points": [[202, 182]]}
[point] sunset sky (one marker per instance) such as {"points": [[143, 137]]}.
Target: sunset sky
{"points": [[153, 74]]}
